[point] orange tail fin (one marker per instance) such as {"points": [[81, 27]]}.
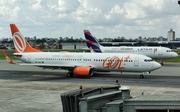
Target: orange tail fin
{"points": [[20, 44], [7, 58]]}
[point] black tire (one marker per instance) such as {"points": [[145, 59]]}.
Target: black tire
{"points": [[69, 74], [141, 76], [162, 64]]}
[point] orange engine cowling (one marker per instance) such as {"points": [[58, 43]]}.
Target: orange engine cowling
{"points": [[83, 71]]}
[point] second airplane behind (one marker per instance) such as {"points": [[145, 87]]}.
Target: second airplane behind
{"points": [[155, 52]]}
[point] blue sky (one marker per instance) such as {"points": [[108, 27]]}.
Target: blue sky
{"points": [[104, 18]]}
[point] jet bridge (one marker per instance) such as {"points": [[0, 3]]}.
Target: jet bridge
{"points": [[117, 99], [95, 99]]}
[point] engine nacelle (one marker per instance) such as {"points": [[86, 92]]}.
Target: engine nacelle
{"points": [[83, 71]]}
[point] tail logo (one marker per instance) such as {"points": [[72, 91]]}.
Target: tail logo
{"points": [[19, 42], [155, 50]]}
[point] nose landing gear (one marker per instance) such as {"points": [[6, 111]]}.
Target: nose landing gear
{"points": [[161, 62], [142, 75]]}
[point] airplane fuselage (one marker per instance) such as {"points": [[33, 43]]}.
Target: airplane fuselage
{"points": [[153, 52], [98, 61]]}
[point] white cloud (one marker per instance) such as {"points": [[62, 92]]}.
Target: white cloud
{"points": [[176, 22], [67, 5], [62, 16], [133, 11], [115, 12], [15, 11], [103, 17], [37, 5], [116, 9]]}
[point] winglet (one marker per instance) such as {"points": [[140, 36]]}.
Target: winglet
{"points": [[7, 58], [92, 42], [20, 44]]}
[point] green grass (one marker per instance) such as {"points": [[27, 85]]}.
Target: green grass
{"points": [[177, 51], [176, 60], [10, 54]]}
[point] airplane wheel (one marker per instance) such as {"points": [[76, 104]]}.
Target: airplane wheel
{"points": [[142, 76], [69, 74], [162, 64]]}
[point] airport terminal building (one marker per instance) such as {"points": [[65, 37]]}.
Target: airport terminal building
{"points": [[170, 42]]}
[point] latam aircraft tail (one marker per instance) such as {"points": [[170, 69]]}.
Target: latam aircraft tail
{"points": [[20, 44], [92, 42], [7, 58]]}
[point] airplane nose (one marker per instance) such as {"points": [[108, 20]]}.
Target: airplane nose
{"points": [[175, 55], [157, 65]]}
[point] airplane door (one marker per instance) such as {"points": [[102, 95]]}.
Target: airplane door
{"points": [[84, 60], [80, 59], [136, 61], [159, 51]]}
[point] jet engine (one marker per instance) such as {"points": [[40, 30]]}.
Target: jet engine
{"points": [[179, 2], [83, 71]]}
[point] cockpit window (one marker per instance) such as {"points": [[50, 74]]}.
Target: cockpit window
{"points": [[168, 50], [148, 60]]}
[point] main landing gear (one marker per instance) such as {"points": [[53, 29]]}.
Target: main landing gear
{"points": [[70, 74]]}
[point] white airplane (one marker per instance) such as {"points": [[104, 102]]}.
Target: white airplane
{"points": [[153, 52], [80, 64]]}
